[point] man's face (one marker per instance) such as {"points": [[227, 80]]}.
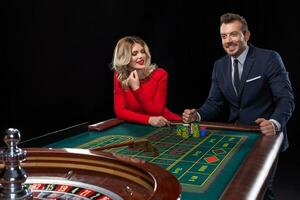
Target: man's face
{"points": [[234, 40]]}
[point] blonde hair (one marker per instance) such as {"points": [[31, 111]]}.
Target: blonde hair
{"points": [[122, 57]]}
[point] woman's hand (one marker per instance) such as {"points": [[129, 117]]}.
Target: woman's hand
{"points": [[158, 121], [133, 80]]}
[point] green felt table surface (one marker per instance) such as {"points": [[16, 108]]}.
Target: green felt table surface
{"points": [[203, 165]]}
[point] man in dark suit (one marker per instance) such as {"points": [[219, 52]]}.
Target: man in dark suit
{"points": [[252, 80]]}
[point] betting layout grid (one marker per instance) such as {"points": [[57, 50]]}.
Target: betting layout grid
{"points": [[194, 160]]}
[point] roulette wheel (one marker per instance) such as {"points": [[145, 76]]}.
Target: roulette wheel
{"points": [[80, 174]]}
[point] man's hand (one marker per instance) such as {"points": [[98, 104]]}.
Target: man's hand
{"points": [[189, 115], [158, 121], [266, 126]]}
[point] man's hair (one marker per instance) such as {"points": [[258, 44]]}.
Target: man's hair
{"points": [[230, 17]]}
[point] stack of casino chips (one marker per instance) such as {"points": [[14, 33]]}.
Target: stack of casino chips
{"points": [[185, 130], [203, 131]]}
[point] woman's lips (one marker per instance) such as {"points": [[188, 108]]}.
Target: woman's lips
{"points": [[141, 62]]}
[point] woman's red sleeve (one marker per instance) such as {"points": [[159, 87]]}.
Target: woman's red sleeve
{"points": [[154, 104], [120, 107]]}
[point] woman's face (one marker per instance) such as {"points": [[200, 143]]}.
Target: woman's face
{"points": [[138, 57]]}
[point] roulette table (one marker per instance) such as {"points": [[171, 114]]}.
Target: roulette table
{"points": [[230, 162]]}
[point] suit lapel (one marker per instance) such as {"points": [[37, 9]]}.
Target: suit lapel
{"points": [[247, 68]]}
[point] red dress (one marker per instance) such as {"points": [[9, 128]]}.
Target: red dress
{"points": [[148, 100]]}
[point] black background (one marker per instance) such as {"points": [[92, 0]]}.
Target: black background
{"points": [[55, 70]]}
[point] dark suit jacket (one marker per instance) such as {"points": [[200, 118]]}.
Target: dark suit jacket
{"points": [[265, 90]]}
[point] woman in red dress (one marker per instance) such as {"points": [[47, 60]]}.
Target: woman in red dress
{"points": [[140, 87]]}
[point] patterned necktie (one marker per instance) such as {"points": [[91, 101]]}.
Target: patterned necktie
{"points": [[236, 75]]}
